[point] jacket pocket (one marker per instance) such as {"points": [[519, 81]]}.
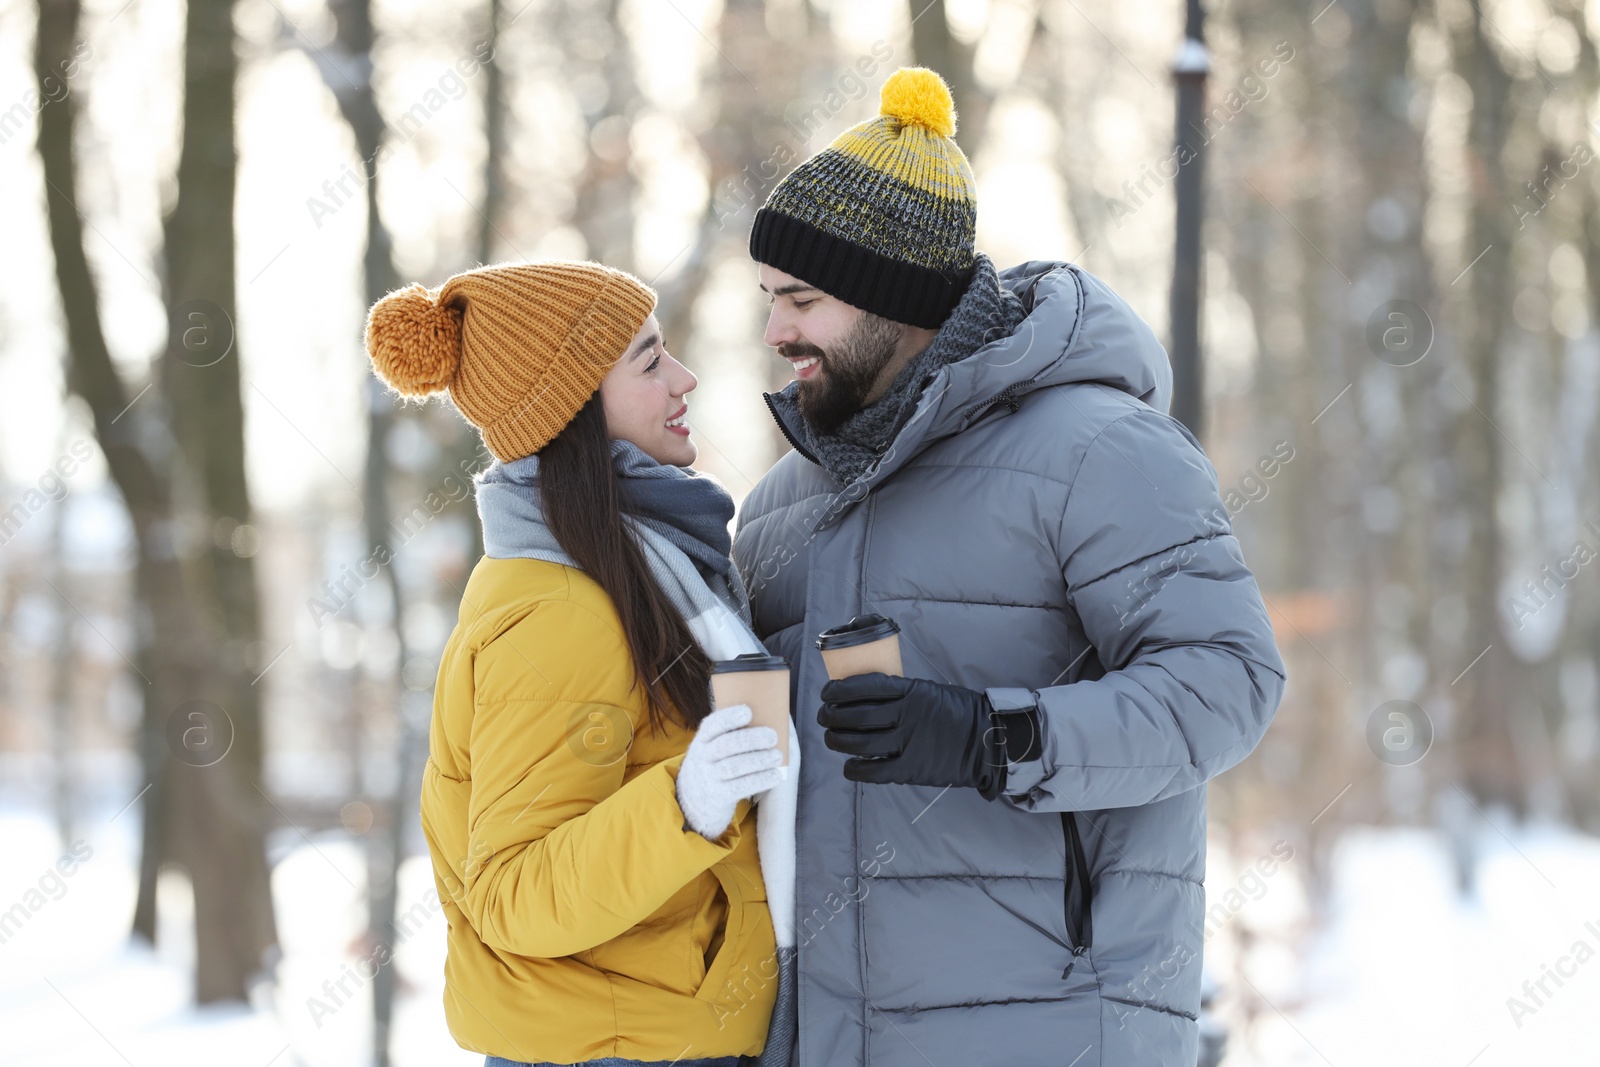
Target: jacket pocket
{"points": [[1077, 895], [733, 939]]}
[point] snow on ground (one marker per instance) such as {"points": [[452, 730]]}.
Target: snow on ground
{"points": [[1408, 972], [1403, 971], [72, 991]]}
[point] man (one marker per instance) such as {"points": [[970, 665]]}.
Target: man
{"points": [[1000, 856]]}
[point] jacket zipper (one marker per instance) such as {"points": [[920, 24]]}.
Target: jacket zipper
{"points": [[1005, 395], [1077, 894], [798, 447]]}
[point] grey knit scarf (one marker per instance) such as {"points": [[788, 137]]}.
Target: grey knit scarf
{"points": [[670, 508], [986, 312]]}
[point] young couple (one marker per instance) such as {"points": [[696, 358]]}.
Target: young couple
{"points": [[995, 859]]}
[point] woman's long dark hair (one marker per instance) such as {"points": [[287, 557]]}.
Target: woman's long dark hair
{"points": [[584, 507]]}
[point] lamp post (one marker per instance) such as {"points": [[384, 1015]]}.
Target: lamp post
{"points": [[1189, 70]]}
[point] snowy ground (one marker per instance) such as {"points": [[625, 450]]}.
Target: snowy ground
{"points": [[1404, 973], [72, 992], [1407, 972]]}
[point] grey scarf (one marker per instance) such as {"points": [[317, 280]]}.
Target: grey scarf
{"points": [[987, 311], [669, 508]]}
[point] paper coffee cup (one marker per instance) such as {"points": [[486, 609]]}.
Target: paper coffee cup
{"points": [[865, 644], [760, 680]]}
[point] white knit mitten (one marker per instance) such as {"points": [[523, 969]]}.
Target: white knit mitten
{"points": [[726, 762]]}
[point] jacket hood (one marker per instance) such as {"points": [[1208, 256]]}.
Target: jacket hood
{"points": [[1078, 331]]}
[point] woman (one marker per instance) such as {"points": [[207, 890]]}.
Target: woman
{"points": [[593, 824]]}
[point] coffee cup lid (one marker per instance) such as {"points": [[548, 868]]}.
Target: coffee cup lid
{"points": [[861, 630], [750, 661]]}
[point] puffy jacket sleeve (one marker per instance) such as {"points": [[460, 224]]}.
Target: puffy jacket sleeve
{"points": [[562, 854], [1156, 577]]}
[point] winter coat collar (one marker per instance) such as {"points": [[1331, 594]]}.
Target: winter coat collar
{"points": [[1054, 345]]}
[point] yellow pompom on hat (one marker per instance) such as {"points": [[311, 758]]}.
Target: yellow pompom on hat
{"points": [[885, 217], [916, 96], [519, 347]]}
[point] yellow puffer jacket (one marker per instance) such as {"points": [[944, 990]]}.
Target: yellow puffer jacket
{"points": [[585, 919]]}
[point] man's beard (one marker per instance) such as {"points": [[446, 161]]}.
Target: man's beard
{"points": [[848, 371]]}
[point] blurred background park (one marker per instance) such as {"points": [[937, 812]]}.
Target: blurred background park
{"points": [[228, 562]]}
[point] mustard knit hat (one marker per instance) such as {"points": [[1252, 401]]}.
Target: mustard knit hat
{"points": [[520, 347], [884, 218]]}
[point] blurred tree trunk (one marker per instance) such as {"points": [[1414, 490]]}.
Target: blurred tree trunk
{"points": [[747, 148], [934, 46], [1267, 261], [197, 619], [1492, 691], [1268, 182], [63, 669], [595, 37], [1581, 642], [219, 813], [730, 145], [770, 64], [1060, 67], [494, 135], [351, 84], [1384, 193]]}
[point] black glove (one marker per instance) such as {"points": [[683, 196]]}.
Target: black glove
{"points": [[916, 732]]}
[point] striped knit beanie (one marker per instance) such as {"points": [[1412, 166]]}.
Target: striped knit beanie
{"points": [[884, 217], [520, 347]]}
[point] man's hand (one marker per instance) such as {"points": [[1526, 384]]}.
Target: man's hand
{"points": [[915, 732]]}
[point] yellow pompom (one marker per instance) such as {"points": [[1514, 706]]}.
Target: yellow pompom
{"points": [[919, 97], [414, 341]]}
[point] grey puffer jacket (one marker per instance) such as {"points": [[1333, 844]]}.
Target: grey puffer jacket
{"points": [[1042, 530]]}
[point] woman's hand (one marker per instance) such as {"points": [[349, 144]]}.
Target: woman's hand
{"points": [[726, 762]]}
